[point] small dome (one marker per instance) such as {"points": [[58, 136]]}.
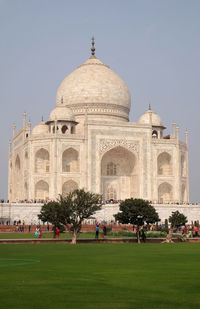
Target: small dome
{"points": [[145, 119], [62, 113], [40, 128]]}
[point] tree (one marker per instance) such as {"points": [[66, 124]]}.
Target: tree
{"points": [[71, 210], [136, 212], [176, 219], [53, 213], [166, 229]]}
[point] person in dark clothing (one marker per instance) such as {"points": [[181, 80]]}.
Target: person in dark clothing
{"points": [[97, 231], [104, 230], [143, 236]]}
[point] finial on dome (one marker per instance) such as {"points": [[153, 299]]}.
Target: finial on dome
{"points": [[42, 119], [93, 48], [149, 107]]}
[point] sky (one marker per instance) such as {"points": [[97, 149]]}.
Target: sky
{"points": [[154, 46]]}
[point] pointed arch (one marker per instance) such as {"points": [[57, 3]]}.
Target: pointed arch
{"points": [[42, 190], [119, 174], [17, 163], [70, 161], [164, 164], [165, 193], [64, 129], [26, 163], [42, 163], [69, 186], [17, 178]]}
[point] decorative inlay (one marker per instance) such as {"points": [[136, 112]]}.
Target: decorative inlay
{"points": [[107, 144]]}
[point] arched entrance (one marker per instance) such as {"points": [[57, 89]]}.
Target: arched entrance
{"points": [[119, 177], [165, 193], [164, 163], [42, 161], [42, 190], [70, 161], [69, 186]]}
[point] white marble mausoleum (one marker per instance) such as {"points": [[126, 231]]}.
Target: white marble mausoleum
{"points": [[89, 142]]}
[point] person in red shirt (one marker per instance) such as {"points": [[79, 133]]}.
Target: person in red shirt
{"points": [[196, 231], [57, 232], [40, 232], [185, 230]]}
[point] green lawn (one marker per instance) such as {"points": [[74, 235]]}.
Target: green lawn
{"points": [[20, 235], [62, 235], [91, 234], [100, 276]]}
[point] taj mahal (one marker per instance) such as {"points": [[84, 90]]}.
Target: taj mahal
{"points": [[89, 142]]}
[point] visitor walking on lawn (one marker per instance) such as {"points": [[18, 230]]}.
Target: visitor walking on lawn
{"points": [[196, 231], [57, 232], [37, 232], [143, 235], [104, 230], [97, 231]]}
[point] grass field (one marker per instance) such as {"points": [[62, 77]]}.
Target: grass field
{"points": [[91, 234], [100, 276]]}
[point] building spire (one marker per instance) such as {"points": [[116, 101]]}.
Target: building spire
{"points": [[149, 107], [93, 48]]}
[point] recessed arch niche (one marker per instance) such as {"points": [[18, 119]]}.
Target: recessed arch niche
{"points": [[42, 164], [42, 190], [165, 193], [119, 174], [164, 164], [69, 186], [70, 161], [17, 177]]}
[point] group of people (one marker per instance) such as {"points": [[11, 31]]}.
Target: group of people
{"points": [[97, 230], [38, 231], [19, 226], [190, 231], [33, 201]]}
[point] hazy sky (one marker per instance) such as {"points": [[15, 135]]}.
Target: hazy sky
{"points": [[153, 45]]}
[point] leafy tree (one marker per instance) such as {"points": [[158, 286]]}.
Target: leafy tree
{"points": [[71, 210], [136, 212], [166, 229], [53, 213], [177, 219]]}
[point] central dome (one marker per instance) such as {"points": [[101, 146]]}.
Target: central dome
{"points": [[94, 88]]}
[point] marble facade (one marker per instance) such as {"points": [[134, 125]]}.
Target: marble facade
{"points": [[88, 142], [28, 212]]}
